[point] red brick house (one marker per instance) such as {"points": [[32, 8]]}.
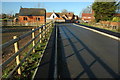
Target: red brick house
{"points": [[32, 16], [117, 14], [87, 17]]}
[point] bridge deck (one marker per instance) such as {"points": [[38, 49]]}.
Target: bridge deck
{"points": [[86, 54], [81, 54]]}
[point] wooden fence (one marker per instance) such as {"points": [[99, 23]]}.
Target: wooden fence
{"points": [[43, 31], [11, 23], [114, 25]]}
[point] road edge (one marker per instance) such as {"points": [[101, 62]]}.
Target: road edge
{"points": [[102, 33]]}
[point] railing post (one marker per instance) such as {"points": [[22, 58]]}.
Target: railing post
{"points": [[33, 36], [43, 33], [47, 31], [48, 28], [40, 30], [17, 58]]}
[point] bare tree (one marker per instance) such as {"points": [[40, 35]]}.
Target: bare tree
{"points": [[38, 5], [64, 11]]}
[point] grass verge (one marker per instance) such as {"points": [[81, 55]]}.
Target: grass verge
{"points": [[105, 28]]}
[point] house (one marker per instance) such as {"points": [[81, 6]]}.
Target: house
{"points": [[54, 16], [87, 17], [33, 16], [88, 14], [117, 14], [60, 17], [76, 17], [15, 20], [48, 14], [70, 16]]}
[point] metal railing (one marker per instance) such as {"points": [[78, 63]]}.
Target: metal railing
{"points": [[43, 31]]}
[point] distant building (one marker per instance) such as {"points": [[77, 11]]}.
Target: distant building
{"points": [[76, 17], [117, 15], [61, 17], [32, 16], [88, 14], [54, 16]]}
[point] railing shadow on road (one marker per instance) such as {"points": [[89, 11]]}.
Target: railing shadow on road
{"points": [[74, 52], [101, 62], [68, 44], [63, 71], [80, 59]]}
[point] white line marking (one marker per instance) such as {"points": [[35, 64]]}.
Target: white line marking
{"points": [[102, 33]]}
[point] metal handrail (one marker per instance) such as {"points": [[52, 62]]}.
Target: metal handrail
{"points": [[21, 49]]}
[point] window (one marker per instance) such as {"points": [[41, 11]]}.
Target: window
{"points": [[53, 16], [37, 19], [89, 17], [25, 18]]}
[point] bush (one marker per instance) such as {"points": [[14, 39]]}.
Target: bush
{"points": [[116, 19]]}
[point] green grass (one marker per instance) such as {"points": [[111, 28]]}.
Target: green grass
{"points": [[113, 30]]}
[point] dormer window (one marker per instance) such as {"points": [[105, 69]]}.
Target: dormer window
{"points": [[25, 18]]}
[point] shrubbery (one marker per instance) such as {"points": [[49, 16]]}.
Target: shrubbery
{"points": [[116, 19]]}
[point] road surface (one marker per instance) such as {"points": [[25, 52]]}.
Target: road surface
{"points": [[86, 54]]}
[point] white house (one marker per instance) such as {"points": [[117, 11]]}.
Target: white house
{"points": [[54, 16]]}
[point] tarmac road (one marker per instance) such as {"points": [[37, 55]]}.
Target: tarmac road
{"points": [[86, 54]]}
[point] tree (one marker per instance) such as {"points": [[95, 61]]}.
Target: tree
{"points": [[4, 16], [64, 11], [104, 10], [118, 7]]}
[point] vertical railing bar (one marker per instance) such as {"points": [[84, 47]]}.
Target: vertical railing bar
{"points": [[16, 46], [40, 30], [33, 36]]}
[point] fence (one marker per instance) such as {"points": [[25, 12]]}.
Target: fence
{"points": [[44, 31], [114, 25], [11, 23]]}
